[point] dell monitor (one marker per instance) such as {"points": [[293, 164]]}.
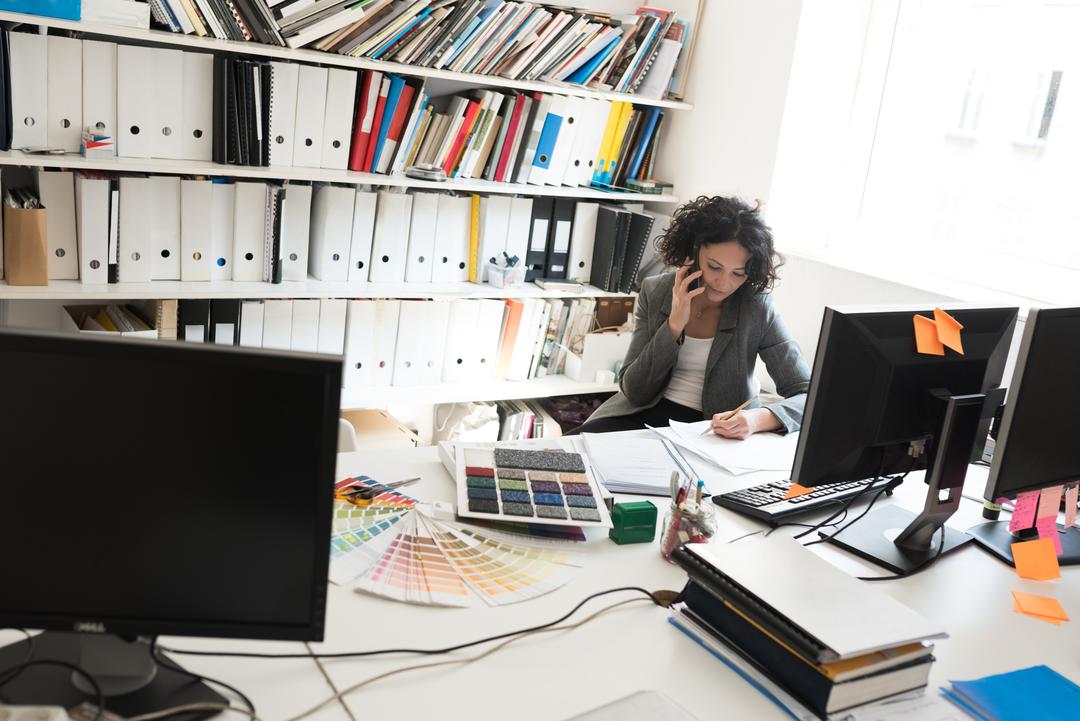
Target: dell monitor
{"points": [[876, 407], [153, 487], [1037, 445]]}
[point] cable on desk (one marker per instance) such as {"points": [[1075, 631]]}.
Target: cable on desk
{"points": [[920, 569], [766, 532], [850, 523], [8, 675], [167, 663], [423, 651], [188, 708], [547, 628], [16, 670], [847, 503]]}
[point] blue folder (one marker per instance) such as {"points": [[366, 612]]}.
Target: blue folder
{"points": [[1037, 692], [66, 9]]}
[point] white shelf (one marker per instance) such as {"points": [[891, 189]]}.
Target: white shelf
{"points": [[77, 291], [196, 167], [560, 385], [161, 37]]}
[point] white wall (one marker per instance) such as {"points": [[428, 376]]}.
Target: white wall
{"points": [[806, 286], [738, 84]]}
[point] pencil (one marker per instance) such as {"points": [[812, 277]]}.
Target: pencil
{"points": [[744, 404]]}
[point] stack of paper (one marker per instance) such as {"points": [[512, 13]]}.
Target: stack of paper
{"points": [[631, 464], [759, 452]]}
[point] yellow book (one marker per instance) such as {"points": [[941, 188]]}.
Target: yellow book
{"points": [[474, 237], [605, 143], [848, 668], [105, 321], [617, 141]]}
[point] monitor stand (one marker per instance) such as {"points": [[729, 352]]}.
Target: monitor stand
{"points": [[901, 541], [998, 539], [151, 687]]}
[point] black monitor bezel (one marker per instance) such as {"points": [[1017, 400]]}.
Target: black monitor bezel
{"points": [[892, 462], [327, 367], [1016, 399]]}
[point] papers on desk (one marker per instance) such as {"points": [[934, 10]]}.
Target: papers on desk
{"points": [[759, 452], [633, 464]]}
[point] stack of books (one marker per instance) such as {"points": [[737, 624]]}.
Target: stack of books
{"points": [[812, 638]]}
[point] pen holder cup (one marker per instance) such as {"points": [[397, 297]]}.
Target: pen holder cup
{"points": [[689, 523], [503, 277]]}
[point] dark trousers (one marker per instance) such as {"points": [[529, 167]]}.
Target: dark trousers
{"points": [[658, 415]]}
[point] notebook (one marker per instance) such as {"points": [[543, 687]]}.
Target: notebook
{"points": [[824, 613]]}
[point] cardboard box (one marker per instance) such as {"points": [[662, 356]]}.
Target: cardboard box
{"points": [[600, 352], [71, 318], [26, 246]]}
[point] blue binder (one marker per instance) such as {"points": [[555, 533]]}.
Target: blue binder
{"points": [[66, 9]]}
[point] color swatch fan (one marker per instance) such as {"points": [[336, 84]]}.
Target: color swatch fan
{"points": [[409, 551]]}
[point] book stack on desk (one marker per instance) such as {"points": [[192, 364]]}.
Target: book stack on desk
{"points": [[812, 638]]}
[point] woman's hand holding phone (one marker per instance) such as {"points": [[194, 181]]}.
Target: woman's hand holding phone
{"points": [[682, 294]]}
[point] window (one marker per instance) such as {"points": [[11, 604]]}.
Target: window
{"points": [[968, 164]]}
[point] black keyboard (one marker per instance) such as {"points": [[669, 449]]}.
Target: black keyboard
{"points": [[766, 502]]}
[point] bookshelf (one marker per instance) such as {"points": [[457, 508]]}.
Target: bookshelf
{"points": [[73, 291], [353, 398], [73, 161], [76, 291], [253, 49]]}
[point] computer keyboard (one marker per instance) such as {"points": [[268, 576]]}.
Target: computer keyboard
{"points": [[766, 501]]}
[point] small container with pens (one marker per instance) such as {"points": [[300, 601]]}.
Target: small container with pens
{"points": [[689, 518]]}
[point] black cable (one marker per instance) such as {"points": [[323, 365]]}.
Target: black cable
{"points": [[849, 501], [16, 670], [812, 526], [167, 663], [420, 651], [22, 664], [850, 523], [920, 569]]}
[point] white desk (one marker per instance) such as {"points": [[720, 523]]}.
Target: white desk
{"points": [[279, 688], [553, 676]]}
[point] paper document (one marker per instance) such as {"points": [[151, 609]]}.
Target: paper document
{"points": [[759, 452], [632, 464]]}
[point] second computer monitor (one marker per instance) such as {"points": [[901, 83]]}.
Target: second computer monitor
{"points": [[1037, 445]]}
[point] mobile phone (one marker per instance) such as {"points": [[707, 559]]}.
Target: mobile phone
{"points": [[695, 267]]}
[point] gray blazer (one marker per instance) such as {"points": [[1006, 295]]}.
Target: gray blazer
{"points": [[749, 326]]}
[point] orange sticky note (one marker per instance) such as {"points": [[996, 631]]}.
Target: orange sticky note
{"points": [[1055, 621], [1040, 605], [948, 330], [796, 490], [1036, 560], [926, 337]]}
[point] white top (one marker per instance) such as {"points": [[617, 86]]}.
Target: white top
{"points": [[688, 377]]}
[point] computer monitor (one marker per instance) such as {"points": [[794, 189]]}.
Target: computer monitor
{"points": [[154, 487], [878, 407], [1036, 444]]}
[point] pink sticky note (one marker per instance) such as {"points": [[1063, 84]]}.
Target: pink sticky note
{"points": [[1024, 512], [1070, 505], [1047, 527], [1049, 502]]}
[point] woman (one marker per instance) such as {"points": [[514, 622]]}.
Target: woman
{"points": [[700, 329]]}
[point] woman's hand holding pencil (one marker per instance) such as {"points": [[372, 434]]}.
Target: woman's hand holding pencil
{"points": [[733, 423]]}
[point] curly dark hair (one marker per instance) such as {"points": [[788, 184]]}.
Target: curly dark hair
{"points": [[709, 220]]}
